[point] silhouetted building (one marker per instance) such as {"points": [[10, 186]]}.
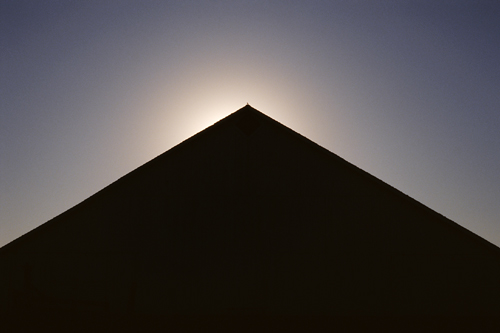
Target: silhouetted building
{"points": [[249, 226]]}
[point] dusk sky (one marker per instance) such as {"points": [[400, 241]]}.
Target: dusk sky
{"points": [[408, 91]]}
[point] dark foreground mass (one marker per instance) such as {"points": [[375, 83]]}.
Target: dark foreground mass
{"points": [[248, 226]]}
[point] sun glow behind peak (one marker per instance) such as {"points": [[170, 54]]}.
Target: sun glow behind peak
{"points": [[202, 93]]}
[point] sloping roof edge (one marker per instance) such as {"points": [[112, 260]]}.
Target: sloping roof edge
{"points": [[230, 119]]}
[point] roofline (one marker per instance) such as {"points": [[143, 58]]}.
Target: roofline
{"points": [[228, 119]]}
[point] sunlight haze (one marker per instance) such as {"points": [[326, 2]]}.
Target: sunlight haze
{"points": [[405, 90]]}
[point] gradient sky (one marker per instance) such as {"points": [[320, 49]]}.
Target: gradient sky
{"points": [[409, 91]]}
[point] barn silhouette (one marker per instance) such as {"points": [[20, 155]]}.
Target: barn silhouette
{"points": [[249, 226]]}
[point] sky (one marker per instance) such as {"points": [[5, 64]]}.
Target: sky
{"points": [[408, 91]]}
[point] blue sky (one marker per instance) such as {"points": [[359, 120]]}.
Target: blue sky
{"points": [[409, 91]]}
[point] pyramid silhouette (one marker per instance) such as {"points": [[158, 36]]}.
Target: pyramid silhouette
{"points": [[249, 226]]}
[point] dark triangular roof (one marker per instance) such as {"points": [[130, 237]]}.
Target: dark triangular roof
{"points": [[249, 216]]}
